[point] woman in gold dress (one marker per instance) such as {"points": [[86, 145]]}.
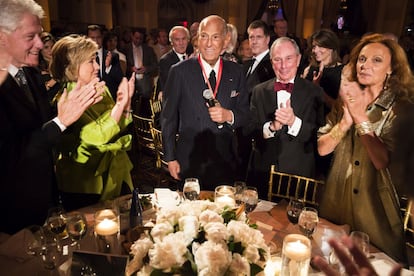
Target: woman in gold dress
{"points": [[360, 190]]}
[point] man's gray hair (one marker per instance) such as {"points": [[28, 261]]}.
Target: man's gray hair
{"points": [[284, 39], [12, 11], [187, 33]]}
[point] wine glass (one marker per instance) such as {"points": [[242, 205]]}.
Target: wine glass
{"points": [[56, 221], [191, 189], [34, 239], [250, 199], [239, 187], [294, 209], [361, 240], [308, 220], [76, 226]]}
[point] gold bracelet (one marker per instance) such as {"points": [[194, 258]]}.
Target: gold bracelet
{"points": [[364, 128], [336, 133]]}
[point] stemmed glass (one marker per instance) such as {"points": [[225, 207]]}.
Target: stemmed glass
{"points": [[76, 227], [239, 187], [294, 209], [191, 189], [308, 220], [361, 240], [56, 221], [33, 239], [250, 199]]}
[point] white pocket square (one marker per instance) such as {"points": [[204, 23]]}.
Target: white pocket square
{"points": [[234, 93]]}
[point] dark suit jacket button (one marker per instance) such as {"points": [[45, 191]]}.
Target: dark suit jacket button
{"points": [[356, 191], [356, 163]]}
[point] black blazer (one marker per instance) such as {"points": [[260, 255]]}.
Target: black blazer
{"points": [[261, 73], [114, 77], [290, 154], [166, 61], [202, 149], [26, 162]]}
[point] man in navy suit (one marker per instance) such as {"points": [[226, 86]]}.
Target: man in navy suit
{"points": [[286, 114], [179, 37], [110, 69], [28, 128], [205, 147]]}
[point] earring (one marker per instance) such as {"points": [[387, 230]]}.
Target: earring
{"points": [[387, 78]]}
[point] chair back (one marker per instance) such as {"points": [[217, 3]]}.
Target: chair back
{"points": [[406, 206], [157, 138], [142, 127], [284, 185]]}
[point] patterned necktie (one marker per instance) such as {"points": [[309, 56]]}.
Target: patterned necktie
{"points": [[288, 87], [212, 79], [21, 79]]}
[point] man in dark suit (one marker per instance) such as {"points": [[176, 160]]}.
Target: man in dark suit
{"points": [[257, 70], [179, 37], [28, 128], [286, 114], [205, 145], [110, 69], [142, 60]]}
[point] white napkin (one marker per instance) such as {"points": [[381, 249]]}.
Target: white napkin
{"points": [[264, 206], [165, 198], [383, 265]]}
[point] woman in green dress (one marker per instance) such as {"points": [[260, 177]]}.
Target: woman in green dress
{"points": [[360, 188], [92, 164]]}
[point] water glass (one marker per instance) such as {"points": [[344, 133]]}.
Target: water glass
{"points": [[296, 255], [191, 189], [361, 240], [308, 221], [33, 240], [76, 227]]}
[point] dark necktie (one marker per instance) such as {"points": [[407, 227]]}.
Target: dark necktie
{"points": [[183, 57], [21, 79], [283, 86], [212, 80], [249, 72], [99, 63]]}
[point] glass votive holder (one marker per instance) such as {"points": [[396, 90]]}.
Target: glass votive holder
{"points": [[106, 231], [224, 196], [296, 255]]}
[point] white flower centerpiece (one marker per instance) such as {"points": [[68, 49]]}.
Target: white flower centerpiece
{"points": [[199, 238]]}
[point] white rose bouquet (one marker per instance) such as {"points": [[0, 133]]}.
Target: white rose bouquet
{"points": [[199, 238]]}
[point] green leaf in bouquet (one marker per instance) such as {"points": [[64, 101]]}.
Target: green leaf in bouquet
{"points": [[255, 269]]}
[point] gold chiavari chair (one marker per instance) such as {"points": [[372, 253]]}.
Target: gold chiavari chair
{"points": [[284, 185]]}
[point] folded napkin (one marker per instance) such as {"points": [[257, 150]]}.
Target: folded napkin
{"points": [[165, 198], [264, 205], [13, 247], [383, 265]]}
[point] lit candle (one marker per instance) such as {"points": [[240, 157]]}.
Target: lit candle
{"points": [[226, 200], [106, 227], [297, 251], [273, 266]]}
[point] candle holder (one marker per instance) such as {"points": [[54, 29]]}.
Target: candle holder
{"points": [[107, 229], [224, 196], [296, 255]]}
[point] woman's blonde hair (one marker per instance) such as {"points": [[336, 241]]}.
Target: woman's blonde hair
{"points": [[68, 54]]}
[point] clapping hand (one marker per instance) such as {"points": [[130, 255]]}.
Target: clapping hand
{"points": [[285, 115], [352, 258], [72, 105]]}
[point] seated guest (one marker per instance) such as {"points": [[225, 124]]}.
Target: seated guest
{"points": [[45, 56], [93, 164], [360, 190]]}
